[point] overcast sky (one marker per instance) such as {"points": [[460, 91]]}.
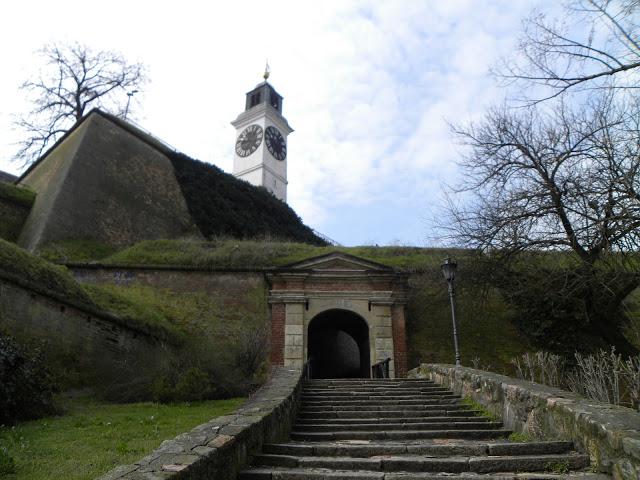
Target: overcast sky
{"points": [[368, 88]]}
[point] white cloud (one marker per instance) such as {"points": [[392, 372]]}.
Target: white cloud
{"points": [[367, 85]]}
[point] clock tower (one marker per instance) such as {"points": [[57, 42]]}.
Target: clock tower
{"points": [[261, 140]]}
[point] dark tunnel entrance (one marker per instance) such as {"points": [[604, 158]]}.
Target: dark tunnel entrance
{"points": [[338, 345]]}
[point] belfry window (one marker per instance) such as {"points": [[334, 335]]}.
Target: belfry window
{"points": [[255, 99]]}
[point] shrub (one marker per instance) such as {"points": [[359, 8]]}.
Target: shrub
{"points": [[7, 464], [603, 376], [221, 204], [26, 386], [193, 384]]}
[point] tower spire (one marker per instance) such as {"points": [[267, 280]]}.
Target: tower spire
{"points": [[267, 71]]}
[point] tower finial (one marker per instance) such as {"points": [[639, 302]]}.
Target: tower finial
{"points": [[267, 71]]}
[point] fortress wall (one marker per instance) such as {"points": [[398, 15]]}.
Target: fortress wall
{"points": [[12, 219], [103, 183], [48, 180], [223, 308], [90, 347]]}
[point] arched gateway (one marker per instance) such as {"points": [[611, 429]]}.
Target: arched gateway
{"points": [[340, 312]]}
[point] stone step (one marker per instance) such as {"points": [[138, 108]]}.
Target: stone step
{"points": [[386, 421], [369, 449], [374, 393], [401, 434], [448, 405], [369, 387], [385, 414], [363, 429], [417, 463], [279, 473], [444, 400], [372, 389], [368, 381], [424, 388], [463, 424], [387, 396]]}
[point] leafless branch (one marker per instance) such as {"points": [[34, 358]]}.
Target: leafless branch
{"points": [[73, 80]]}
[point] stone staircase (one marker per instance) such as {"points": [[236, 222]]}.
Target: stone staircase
{"points": [[405, 430]]}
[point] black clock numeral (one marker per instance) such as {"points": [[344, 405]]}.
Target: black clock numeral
{"points": [[275, 143], [249, 140]]}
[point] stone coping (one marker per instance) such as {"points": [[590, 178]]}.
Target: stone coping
{"points": [[221, 447], [609, 434]]}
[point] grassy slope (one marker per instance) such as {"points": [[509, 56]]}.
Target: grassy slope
{"points": [[21, 196], [15, 204], [255, 254], [485, 329], [91, 438], [18, 264]]}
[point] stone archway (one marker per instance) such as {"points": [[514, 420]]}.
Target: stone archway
{"points": [[315, 289], [338, 345]]}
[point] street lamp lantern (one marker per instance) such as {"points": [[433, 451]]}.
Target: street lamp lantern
{"points": [[449, 271], [129, 95]]}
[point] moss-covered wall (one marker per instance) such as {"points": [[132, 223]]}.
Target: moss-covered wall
{"points": [[227, 304], [87, 347], [224, 315]]}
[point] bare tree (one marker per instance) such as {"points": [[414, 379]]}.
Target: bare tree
{"points": [[597, 44], [552, 179], [540, 179], [74, 79]]}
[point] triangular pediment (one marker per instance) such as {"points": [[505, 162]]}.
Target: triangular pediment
{"points": [[338, 261]]}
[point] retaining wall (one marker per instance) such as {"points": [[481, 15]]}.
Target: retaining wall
{"points": [[94, 345], [610, 434], [219, 449]]}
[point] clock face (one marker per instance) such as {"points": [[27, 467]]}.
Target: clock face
{"points": [[249, 140], [275, 143]]}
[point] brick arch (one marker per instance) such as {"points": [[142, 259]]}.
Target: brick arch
{"points": [[374, 292]]}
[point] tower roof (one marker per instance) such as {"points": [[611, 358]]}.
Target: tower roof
{"points": [[264, 93]]}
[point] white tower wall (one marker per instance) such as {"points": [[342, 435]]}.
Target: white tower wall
{"points": [[261, 168]]}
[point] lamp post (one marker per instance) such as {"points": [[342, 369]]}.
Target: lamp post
{"points": [[129, 95], [449, 271]]}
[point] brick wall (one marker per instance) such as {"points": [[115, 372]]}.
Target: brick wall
{"points": [[278, 319], [399, 340]]}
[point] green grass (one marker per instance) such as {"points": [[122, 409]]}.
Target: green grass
{"points": [[260, 254], [20, 195], [136, 310], [136, 307], [17, 263], [520, 437], [92, 438], [481, 409], [485, 328], [76, 251]]}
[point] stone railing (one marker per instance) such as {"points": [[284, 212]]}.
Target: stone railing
{"points": [[610, 434], [220, 448]]}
